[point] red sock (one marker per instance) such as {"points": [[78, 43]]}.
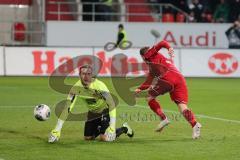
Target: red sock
{"points": [[189, 116], [155, 106]]}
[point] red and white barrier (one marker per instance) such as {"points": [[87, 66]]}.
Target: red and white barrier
{"points": [[1, 61], [42, 61]]}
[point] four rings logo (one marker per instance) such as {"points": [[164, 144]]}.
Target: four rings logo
{"points": [[223, 63]]}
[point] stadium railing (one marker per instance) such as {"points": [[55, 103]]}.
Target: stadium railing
{"points": [[23, 24], [34, 33], [29, 37], [121, 11]]}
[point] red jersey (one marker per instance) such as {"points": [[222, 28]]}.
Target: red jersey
{"points": [[158, 64]]}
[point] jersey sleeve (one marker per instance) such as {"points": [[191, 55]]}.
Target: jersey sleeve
{"points": [[74, 91], [108, 98], [145, 85], [162, 44], [156, 48], [102, 87], [73, 94]]}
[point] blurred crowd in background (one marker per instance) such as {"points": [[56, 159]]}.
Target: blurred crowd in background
{"points": [[204, 11], [219, 11]]}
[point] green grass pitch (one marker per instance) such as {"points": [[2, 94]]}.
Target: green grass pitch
{"points": [[215, 101]]}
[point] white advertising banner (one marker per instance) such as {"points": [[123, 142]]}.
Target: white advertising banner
{"points": [[42, 61], [1, 62], [39, 61], [200, 35], [125, 62], [120, 62], [210, 63]]}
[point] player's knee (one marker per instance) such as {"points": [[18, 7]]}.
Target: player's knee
{"points": [[149, 98], [89, 138], [182, 107], [102, 137]]}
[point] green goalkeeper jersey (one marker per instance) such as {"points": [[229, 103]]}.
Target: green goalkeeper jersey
{"points": [[93, 95]]}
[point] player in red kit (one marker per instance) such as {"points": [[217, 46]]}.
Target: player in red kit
{"points": [[163, 77]]}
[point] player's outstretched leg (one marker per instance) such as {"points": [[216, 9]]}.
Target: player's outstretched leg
{"points": [[189, 116], [56, 133], [162, 124], [54, 136], [155, 106], [196, 131], [125, 129]]}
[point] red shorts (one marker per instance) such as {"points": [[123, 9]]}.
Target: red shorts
{"points": [[175, 84]]}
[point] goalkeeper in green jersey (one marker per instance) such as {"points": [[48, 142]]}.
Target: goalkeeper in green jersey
{"points": [[101, 117]]}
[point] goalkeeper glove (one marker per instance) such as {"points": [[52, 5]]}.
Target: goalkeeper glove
{"points": [[110, 134], [54, 136]]}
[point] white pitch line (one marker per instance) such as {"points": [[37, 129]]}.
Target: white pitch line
{"points": [[17, 106], [141, 106], [197, 115]]}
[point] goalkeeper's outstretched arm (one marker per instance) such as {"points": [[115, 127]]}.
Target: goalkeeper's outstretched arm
{"points": [[71, 100], [56, 132]]}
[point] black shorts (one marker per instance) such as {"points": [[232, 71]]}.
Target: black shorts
{"points": [[97, 123]]}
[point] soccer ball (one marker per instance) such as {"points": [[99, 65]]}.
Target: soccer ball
{"points": [[42, 112]]}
